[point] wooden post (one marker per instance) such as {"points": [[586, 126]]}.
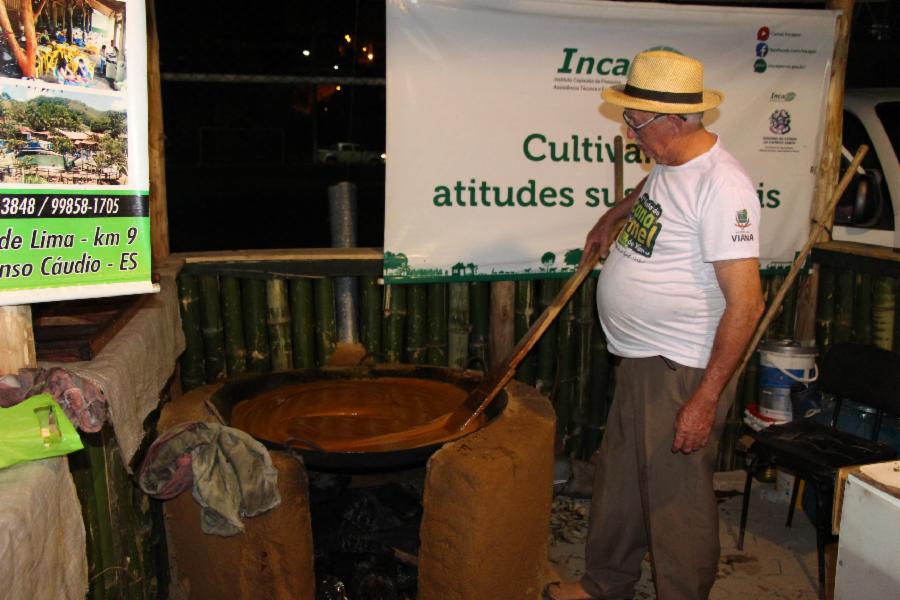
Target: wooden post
{"points": [[159, 213], [16, 339], [502, 337], [829, 164]]}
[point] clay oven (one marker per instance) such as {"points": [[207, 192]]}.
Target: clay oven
{"points": [[484, 530]]}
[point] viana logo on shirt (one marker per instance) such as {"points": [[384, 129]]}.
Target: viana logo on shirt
{"points": [[643, 226], [742, 221]]}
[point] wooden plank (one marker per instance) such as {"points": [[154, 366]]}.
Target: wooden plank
{"points": [[16, 339], [838, 503], [285, 254], [861, 258], [159, 211], [310, 263]]}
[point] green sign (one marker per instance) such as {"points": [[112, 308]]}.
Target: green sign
{"points": [[77, 239]]}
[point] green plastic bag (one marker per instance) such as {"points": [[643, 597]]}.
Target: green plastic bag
{"points": [[34, 429]]}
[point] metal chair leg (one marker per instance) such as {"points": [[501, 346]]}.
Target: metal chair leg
{"points": [[794, 492], [745, 502]]}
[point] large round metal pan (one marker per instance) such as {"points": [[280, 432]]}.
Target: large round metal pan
{"points": [[244, 388]]}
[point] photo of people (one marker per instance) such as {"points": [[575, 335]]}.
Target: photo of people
{"points": [[62, 136], [64, 42]]}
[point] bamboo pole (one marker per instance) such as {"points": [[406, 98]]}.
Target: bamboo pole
{"points": [[80, 467], [106, 578], [323, 293], [458, 326], [523, 321], [394, 323], [253, 305], [584, 322], [436, 326], [546, 347], [884, 301], [123, 513], [235, 347], [564, 386], [480, 307], [773, 284], [212, 329], [825, 309], [829, 160], [370, 297], [843, 306], [502, 336], [303, 332], [826, 215], [416, 333], [598, 406], [788, 313], [159, 213], [278, 320], [193, 365]]}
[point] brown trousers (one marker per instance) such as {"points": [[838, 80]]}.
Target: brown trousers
{"points": [[646, 497]]}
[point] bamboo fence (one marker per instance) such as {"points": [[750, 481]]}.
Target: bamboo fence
{"points": [[258, 325]]}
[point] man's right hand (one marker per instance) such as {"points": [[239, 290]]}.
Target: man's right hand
{"points": [[601, 235]]}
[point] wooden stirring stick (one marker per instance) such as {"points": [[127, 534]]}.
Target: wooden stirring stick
{"points": [[449, 426]]}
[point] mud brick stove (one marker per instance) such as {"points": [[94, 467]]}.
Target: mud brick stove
{"points": [[483, 534]]}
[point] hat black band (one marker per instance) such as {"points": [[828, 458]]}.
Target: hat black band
{"points": [[669, 97]]}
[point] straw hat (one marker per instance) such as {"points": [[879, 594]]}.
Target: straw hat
{"points": [[661, 81]]}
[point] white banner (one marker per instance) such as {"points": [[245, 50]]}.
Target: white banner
{"points": [[498, 161]]}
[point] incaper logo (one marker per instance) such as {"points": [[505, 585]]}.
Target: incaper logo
{"points": [[780, 122], [787, 97], [575, 62]]}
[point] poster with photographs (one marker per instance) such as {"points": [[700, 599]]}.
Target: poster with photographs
{"points": [[74, 178]]}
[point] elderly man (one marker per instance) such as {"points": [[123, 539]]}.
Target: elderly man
{"points": [[679, 297]]}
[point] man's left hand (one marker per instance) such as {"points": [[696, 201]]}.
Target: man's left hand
{"points": [[693, 424]]}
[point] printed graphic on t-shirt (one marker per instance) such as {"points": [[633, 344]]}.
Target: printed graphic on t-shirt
{"points": [[741, 222], [643, 226]]}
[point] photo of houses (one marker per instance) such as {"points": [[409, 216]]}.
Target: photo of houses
{"points": [[47, 136]]}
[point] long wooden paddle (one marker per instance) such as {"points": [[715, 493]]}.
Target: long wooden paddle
{"points": [[450, 425], [497, 378]]}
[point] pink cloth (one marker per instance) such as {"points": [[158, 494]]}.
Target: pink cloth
{"points": [[83, 402]]}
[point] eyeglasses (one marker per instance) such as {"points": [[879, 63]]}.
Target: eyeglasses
{"points": [[635, 128]]}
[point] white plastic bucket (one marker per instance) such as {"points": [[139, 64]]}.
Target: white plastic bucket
{"points": [[782, 363]]}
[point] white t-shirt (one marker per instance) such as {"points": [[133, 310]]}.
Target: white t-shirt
{"points": [[658, 293]]}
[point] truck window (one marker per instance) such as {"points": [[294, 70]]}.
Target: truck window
{"points": [[854, 135]]}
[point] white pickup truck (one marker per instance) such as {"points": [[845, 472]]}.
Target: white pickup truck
{"points": [[868, 211], [349, 153]]}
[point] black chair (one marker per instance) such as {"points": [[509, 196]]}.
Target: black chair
{"points": [[813, 452]]}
